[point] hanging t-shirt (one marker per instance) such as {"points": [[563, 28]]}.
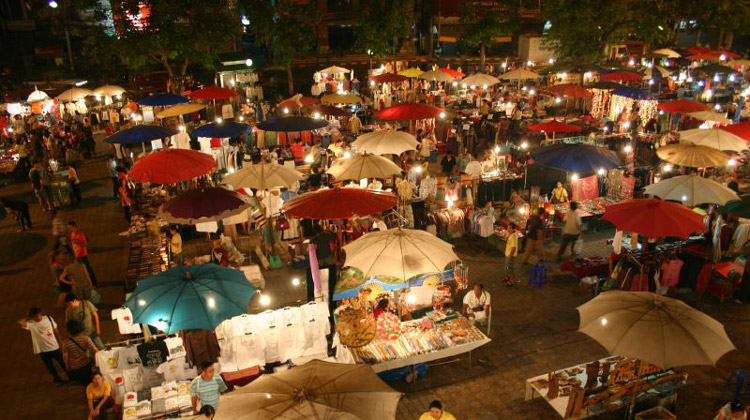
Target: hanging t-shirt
{"points": [[127, 357], [133, 379], [291, 336], [268, 323], [175, 347], [153, 353], [227, 111], [43, 335], [314, 317], [125, 321], [177, 370]]}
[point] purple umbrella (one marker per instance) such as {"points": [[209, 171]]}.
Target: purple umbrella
{"points": [[203, 205]]}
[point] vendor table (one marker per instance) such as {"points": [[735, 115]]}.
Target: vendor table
{"points": [[584, 267]]}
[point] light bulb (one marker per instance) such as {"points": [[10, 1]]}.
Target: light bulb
{"points": [[181, 127], [295, 281], [442, 115], [700, 83], [141, 302], [627, 124], [631, 63], [132, 115], [650, 81], [532, 92], [661, 112], [449, 202], [574, 177], [718, 107], [587, 74], [497, 149], [558, 100], [504, 65], [316, 115], [472, 87], [732, 78], [411, 298], [484, 86], [732, 162], [117, 96], [530, 63], [552, 61], [454, 84], [689, 79], [684, 198], [600, 171], [716, 77], [309, 158], [249, 62], [286, 110], [524, 145], [522, 210], [97, 97], [265, 300], [347, 155], [564, 74], [628, 148], [245, 21], [242, 118], [52, 4], [649, 65], [524, 88], [722, 57], [604, 321], [418, 170], [372, 83], [606, 128], [218, 120], [211, 302], [463, 85], [667, 168]]}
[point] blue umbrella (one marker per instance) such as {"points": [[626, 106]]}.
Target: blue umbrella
{"points": [[223, 129], [633, 93], [162, 99], [292, 124], [197, 297], [579, 158], [140, 134]]}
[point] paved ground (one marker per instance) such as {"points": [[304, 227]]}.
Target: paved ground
{"points": [[534, 330]]}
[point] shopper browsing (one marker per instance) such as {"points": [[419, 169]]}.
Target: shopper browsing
{"points": [[45, 340], [436, 412]]}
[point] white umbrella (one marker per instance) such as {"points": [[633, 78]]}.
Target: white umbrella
{"points": [[655, 72], [692, 190], [37, 96], [109, 90], [713, 137], [709, 115], [436, 76], [668, 53], [74, 94], [363, 166], [316, 390], [263, 176], [401, 253], [385, 142], [480, 79], [656, 329], [334, 70], [520, 74], [741, 63]]}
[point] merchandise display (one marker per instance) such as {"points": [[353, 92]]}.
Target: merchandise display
{"points": [[148, 256]]}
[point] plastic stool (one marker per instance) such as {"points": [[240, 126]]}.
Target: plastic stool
{"points": [[538, 275], [741, 379]]}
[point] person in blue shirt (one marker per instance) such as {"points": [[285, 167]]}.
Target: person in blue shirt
{"points": [[207, 387]]}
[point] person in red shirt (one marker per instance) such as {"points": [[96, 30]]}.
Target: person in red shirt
{"points": [[81, 249]]}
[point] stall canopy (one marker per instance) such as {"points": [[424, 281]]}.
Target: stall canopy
{"points": [[682, 105], [480, 80], [702, 57], [388, 78], [739, 63], [677, 334], [292, 124], [622, 76], [436, 76], [411, 72], [213, 92], [180, 109], [162, 99], [203, 205], [409, 112], [654, 218], [520, 74], [140, 134], [667, 53], [74, 94], [171, 166], [197, 297], [334, 70], [692, 190], [37, 96], [223, 129], [713, 137], [555, 127], [741, 130], [709, 115], [263, 176], [337, 98], [578, 158], [574, 91], [385, 142], [339, 203], [634, 93], [449, 70], [692, 156], [109, 90], [363, 166]]}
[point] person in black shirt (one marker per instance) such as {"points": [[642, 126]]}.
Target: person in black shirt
{"points": [[448, 163], [534, 237], [21, 211], [734, 186]]}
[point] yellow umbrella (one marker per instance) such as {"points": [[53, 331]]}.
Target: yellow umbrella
{"points": [[692, 155], [180, 109], [411, 72], [437, 76], [520, 74], [340, 99]]}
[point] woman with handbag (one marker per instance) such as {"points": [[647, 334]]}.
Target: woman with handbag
{"points": [[76, 355], [101, 398]]}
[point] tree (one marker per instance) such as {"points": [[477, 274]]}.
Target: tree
{"points": [[484, 25], [381, 24], [171, 34], [285, 28]]}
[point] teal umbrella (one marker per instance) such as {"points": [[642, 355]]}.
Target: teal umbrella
{"points": [[197, 297], [739, 207]]}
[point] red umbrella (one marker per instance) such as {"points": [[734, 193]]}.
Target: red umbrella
{"points": [[654, 218], [698, 50], [622, 75], [682, 105], [409, 112], [728, 54], [213, 92], [554, 127], [171, 166], [454, 73], [206, 205], [339, 203], [571, 90], [741, 130], [388, 78], [703, 56]]}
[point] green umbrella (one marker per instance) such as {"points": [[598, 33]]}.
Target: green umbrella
{"points": [[197, 297], [739, 207]]}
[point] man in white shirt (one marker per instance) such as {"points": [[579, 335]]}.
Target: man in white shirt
{"points": [[474, 168], [45, 339], [571, 231], [477, 304]]}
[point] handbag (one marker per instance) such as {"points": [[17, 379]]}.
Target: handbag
{"points": [[274, 262], [282, 223]]}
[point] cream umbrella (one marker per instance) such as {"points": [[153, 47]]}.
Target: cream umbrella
{"points": [[363, 166], [261, 176], [667, 53], [656, 329], [74, 94], [334, 70], [655, 72], [692, 156], [710, 116], [520, 74], [337, 98], [411, 72], [436, 76], [480, 79], [401, 253], [740, 63], [385, 142], [180, 109], [37, 96], [692, 190], [316, 390], [109, 90], [713, 137]]}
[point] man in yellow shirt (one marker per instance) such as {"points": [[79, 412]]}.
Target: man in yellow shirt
{"points": [[511, 251], [175, 245], [559, 194], [436, 412]]}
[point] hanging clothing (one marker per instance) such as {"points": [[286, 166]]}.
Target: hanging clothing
{"points": [[201, 346]]}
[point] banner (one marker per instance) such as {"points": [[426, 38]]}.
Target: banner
{"points": [[586, 188]]}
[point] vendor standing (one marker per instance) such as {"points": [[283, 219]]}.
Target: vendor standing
{"points": [[477, 304], [175, 245], [559, 194]]}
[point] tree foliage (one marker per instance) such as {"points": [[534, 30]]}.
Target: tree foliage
{"points": [[484, 25], [381, 23]]}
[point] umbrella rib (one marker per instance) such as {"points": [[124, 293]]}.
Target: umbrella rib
{"points": [[222, 294], [380, 253], [689, 335], [645, 312], [174, 307]]}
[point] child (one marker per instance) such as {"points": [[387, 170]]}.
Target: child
{"points": [[511, 250]]}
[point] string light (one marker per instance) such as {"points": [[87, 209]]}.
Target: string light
{"points": [[454, 84], [347, 155], [316, 115]]}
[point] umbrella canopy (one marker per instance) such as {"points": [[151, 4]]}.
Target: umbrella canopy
{"points": [[655, 72], [622, 76], [292, 124], [454, 73], [713, 137], [633, 93], [578, 158], [411, 72], [328, 110], [180, 109], [388, 78], [709, 115], [171, 166], [109, 90], [604, 84], [196, 297], [520, 74], [654, 218], [203, 205], [713, 69], [140, 134], [571, 90], [480, 79], [436, 76], [363, 166], [74, 94], [37, 96], [409, 112], [337, 98], [339, 203], [334, 70], [298, 101], [162, 99], [698, 49], [385, 142], [691, 190], [740, 207], [667, 53], [400, 253], [692, 156], [555, 126], [316, 390], [739, 63], [741, 130], [677, 335], [261, 176], [213, 92], [703, 56], [682, 105], [223, 129]]}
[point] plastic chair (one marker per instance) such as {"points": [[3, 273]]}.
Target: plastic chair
{"points": [[538, 276], [487, 321], [741, 380]]}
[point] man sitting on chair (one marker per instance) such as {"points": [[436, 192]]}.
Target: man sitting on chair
{"points": [[477, 304]]}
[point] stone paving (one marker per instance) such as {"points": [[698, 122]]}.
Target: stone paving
{"points": [[533, 329]]}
